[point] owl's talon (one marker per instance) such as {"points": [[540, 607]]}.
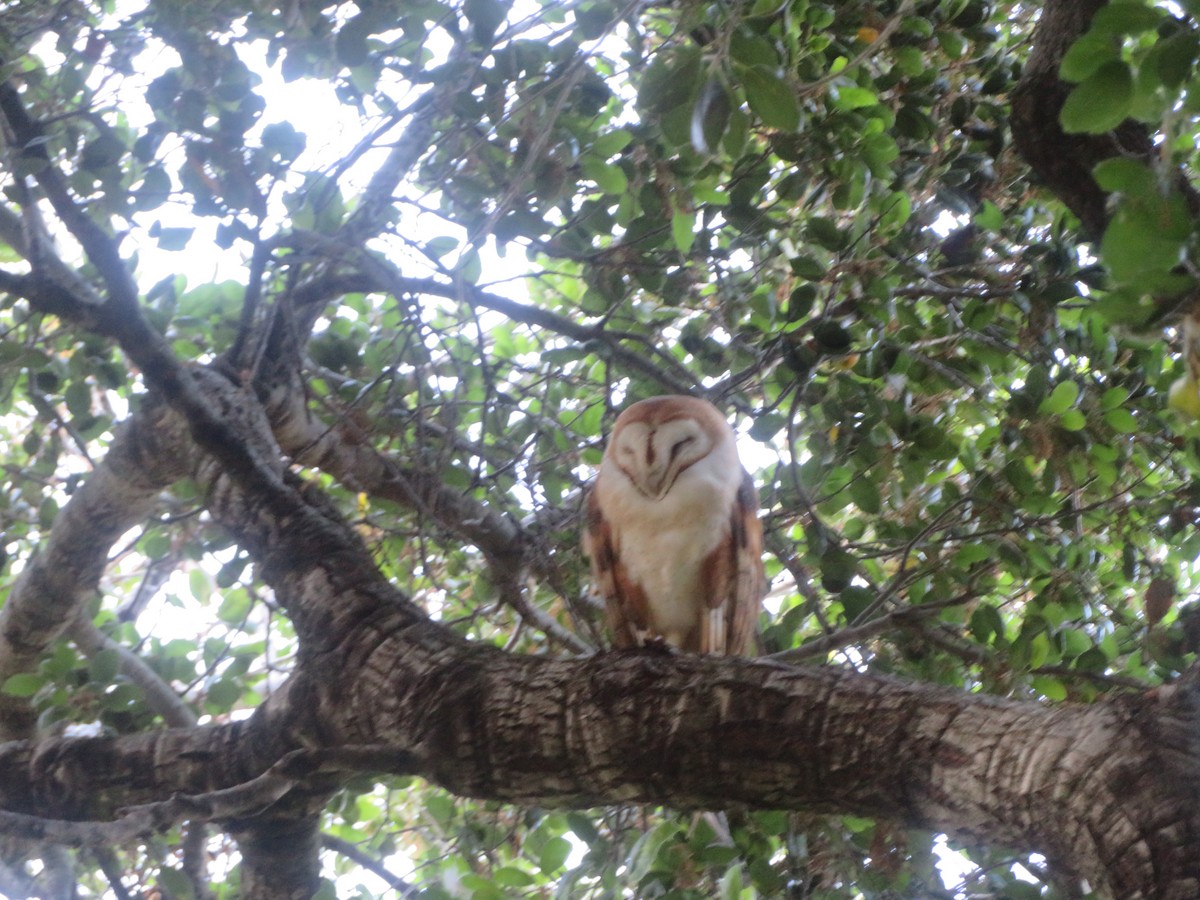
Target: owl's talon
{"points": [[658, 645]]}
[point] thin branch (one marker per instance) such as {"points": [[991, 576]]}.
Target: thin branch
{"points": [[909, 617], [159, 695], [352, 852], [111, 867], [382, 277], [100, 247]]}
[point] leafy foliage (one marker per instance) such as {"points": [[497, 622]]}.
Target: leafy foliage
{"points": [[810, 212]]}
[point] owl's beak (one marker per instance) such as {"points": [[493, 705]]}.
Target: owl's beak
{"points": [[653, 484], [655, 479]]}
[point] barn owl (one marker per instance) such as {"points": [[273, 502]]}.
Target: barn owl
{"points": [[672, 530]]}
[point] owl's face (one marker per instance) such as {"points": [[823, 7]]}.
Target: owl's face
{"points": [[653, 454]]}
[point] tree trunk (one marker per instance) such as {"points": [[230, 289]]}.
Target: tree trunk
{"points": [[1064, 162]]}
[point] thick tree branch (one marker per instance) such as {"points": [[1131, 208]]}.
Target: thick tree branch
{"points": [[146, 455], [697, 732]]}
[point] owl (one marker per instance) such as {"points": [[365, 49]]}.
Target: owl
{"points": [[672, 530]]}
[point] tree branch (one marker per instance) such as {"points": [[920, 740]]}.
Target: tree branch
{"points": [[147, 454], [159, 695], [368, 862]]}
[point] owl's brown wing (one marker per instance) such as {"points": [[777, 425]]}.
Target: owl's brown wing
{"points": [[735, 580], [624, 600]]}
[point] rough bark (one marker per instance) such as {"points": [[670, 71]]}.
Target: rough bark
{"points": [[281, 859]]}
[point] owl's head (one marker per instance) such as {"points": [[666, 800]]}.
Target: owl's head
{"points": [[654, 441]]}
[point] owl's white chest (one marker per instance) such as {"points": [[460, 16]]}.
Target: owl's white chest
{"points": [[662, 544]]}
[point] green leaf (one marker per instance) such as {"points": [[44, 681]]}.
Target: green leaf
{"points": [[1126, 17], [771, 98], [611, 143], [1113, 397], [23, 684], [283, 140], [730, 887], [1073, 420], [865, 495], [767, 426], [849, 97], [554, 855], [470, 266], [104, 666], [683, 230], [856, 600], [1100, 102], [235, 607], [710, 116], [826, 233], [222, 695], [1075, 642], [972, 553], [1145, 236], [910, 61], [1087, 54], [199, 584], [989, 216], [880, 151], [1061, 399], [486, 17], [750, 49], [645, 850], [439, 246], [1122, 420], [104, 151], [953, 43], [583, 827], [1039, 649], [610, 179], [1176, 58], [512, 877], [174, 238], [1119, 173], [986, 623], [897, 211], [807, 267], [837, 568], [669, 80], [1050, 688], [175, 883], [154, 190]]}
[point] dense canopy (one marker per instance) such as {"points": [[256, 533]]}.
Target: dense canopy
{"points": [[314, 318]]}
